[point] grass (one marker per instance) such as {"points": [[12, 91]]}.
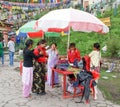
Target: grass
{"points": [[110, 87]]}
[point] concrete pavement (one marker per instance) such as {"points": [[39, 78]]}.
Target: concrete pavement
{"points": [[11, 93]]}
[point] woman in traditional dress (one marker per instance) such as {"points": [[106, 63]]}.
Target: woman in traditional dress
{"points": [[27, 75], [40, 69], [52, 61]]}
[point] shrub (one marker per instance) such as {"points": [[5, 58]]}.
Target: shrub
{"points": [[113, 46]]}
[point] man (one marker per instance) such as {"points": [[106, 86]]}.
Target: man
{"points": [[11, 48]]}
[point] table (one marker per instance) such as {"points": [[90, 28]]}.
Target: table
{"points": [[64, 73]]}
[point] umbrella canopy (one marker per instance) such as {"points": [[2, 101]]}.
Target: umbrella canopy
{"points": [[39, 34], [28, 27], [22, 35], [76, 19]]}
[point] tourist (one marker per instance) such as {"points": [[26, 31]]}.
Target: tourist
{"points": [[11, 48]]}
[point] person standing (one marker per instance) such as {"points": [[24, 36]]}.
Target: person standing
{"points": [[11, 49], [1, 51], [40, 69], [27, 75], [95, 58], [52, 61]]}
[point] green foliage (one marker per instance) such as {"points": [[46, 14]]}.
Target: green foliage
{"points": [[40, 15], [108, 13], [61, 43], [35, 41], [114, 46]]}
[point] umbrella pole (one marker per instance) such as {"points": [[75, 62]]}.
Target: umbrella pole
{"points": [[68, 39]]}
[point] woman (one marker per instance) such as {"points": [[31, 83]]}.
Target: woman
{"points": [[52, 61], [40, 69], [27, 75]]}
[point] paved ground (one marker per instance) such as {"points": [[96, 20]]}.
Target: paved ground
{"points": [[11, 93]]}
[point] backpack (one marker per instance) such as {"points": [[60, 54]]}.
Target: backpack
{"points": [[86, 62]]}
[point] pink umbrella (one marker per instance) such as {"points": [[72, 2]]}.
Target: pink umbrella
{"points": [[72, 18]]}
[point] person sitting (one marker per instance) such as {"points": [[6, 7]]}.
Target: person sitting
{"points": [[73, 56], [73, 53]]}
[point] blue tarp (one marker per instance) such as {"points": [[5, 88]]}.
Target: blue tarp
{"points": [[22, 35]]}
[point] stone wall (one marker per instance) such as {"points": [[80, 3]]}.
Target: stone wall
{"points": [[109, 63]]}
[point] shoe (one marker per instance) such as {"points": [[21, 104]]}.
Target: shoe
{"points": [[29, 96], [42, 93], [87, 102], [95, 97]]}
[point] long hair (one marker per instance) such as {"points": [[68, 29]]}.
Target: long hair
{"points": [[42, 41], [27, 44], [96, 45]]}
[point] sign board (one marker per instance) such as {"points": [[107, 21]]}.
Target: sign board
{"points": [[106, 21]]}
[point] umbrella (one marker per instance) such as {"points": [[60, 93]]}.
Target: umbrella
{"points": [[72, 18], [38, 34], [28, 27]]}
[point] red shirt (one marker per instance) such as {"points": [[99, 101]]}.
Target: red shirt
{"points": [[73, 55], [37, 51]]}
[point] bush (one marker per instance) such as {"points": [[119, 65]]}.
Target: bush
{"points": [[113, 46]]}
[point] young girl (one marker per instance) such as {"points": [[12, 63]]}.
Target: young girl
{"points": [[73, 53], [27, 75], [52, 61], [73, 56], [95, 58]]}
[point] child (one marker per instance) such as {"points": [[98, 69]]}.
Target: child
{"points": [[73, 54], [95, 58], [27, 75]]}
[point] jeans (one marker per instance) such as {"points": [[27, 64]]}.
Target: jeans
{"points": [[2, 58], [11, 57]]}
